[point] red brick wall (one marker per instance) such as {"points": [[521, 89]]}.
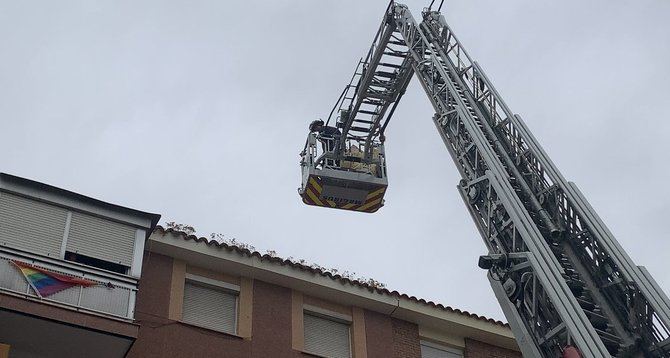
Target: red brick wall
{"points": [[153, 296], [388, 337], [477, 349], [378, 334], [271, 321], [271, 326], [162, 337], [405, 340]]}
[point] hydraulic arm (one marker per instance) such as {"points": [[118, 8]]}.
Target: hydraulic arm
{"points": [[559, 274]]}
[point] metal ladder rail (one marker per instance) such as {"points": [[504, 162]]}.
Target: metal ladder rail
{"points": [[575, 284], [488, 95], [605, 336], [611, 334], [384, 77], [549, 172], [473, 74], [589, 340]]}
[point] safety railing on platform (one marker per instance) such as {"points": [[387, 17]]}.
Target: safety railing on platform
{"points": [[319, 153], [110, 294]]}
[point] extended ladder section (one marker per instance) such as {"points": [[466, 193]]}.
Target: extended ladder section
{"points": [[376, 88], [561, 277], [557, 271], [348, 170]]}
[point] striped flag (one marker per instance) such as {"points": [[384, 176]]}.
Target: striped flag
{"points": [[47, 283]]}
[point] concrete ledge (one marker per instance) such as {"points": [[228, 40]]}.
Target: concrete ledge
{"points": [[48, 311]]}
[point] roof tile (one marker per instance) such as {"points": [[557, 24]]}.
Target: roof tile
{"points": [[336, 277]]}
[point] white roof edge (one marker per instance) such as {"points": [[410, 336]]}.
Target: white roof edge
{"points": [[175, 245]]}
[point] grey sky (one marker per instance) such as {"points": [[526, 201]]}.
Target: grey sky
{"points": [[197, 110]]}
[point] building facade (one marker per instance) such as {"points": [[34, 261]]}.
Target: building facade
{"points": [[80, 277], [201, 298], [69, 272]]}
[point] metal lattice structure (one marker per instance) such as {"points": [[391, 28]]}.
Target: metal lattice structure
{"points": [[559, 274]]}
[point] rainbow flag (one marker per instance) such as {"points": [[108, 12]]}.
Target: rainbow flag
{"points": [[47, 283]]}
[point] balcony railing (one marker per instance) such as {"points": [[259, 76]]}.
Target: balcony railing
{"points": [[114, 295]]}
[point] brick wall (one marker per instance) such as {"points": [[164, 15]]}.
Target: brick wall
{"points": [[153, 295], [388, 337], [378, 334], [405, 339], [159, 336], [271, 321], [477, 349]]}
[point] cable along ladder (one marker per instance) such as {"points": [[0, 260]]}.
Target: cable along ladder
{"points": [[558, 273]]}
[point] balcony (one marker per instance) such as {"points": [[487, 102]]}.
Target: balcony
{"points": [[114, 295], [83, 260]]}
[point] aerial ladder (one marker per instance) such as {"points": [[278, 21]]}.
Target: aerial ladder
{"points": [[565, 285]]}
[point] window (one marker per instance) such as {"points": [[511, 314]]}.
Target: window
{"points": [[432, 350], [326, 336], [101, 238], [210, 304], [92, 261]]}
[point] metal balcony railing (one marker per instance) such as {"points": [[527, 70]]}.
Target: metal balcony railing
{"points": [[114, 295]]}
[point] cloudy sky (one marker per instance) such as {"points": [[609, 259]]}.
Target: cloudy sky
{"points": [[197, 110]]}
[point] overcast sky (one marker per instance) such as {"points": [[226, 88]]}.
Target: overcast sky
{"points": [[197, 110]]}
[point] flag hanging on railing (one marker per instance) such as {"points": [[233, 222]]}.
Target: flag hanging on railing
{"points": [[45, 282]]}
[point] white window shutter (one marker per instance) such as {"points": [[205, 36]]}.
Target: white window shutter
{"points": [[431, 350], [326, 337], [31, 225], [210, 307], [102, 239]]}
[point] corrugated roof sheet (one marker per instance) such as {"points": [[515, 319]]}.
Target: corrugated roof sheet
{"points": [[335, 277]]}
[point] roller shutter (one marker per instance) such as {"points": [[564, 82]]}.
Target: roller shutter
{"points": [[30, 225], [430, 350], [103, 239], [326, 337], [210, 307]]}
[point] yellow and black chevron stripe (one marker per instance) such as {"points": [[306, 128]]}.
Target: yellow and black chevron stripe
{"points": [[312, 196]]}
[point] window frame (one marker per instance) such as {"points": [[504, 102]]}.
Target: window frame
{"points": [[217, 285], [333, 316]]}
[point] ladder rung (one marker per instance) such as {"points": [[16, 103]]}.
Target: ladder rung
{"points": [[374, 103], [363, 121], [386, 85], [607, 336], [587, 305], [385, 74], [396, 54], [359, 129], [392, 65], [595, 318], [377, 95], [368, 112]]}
